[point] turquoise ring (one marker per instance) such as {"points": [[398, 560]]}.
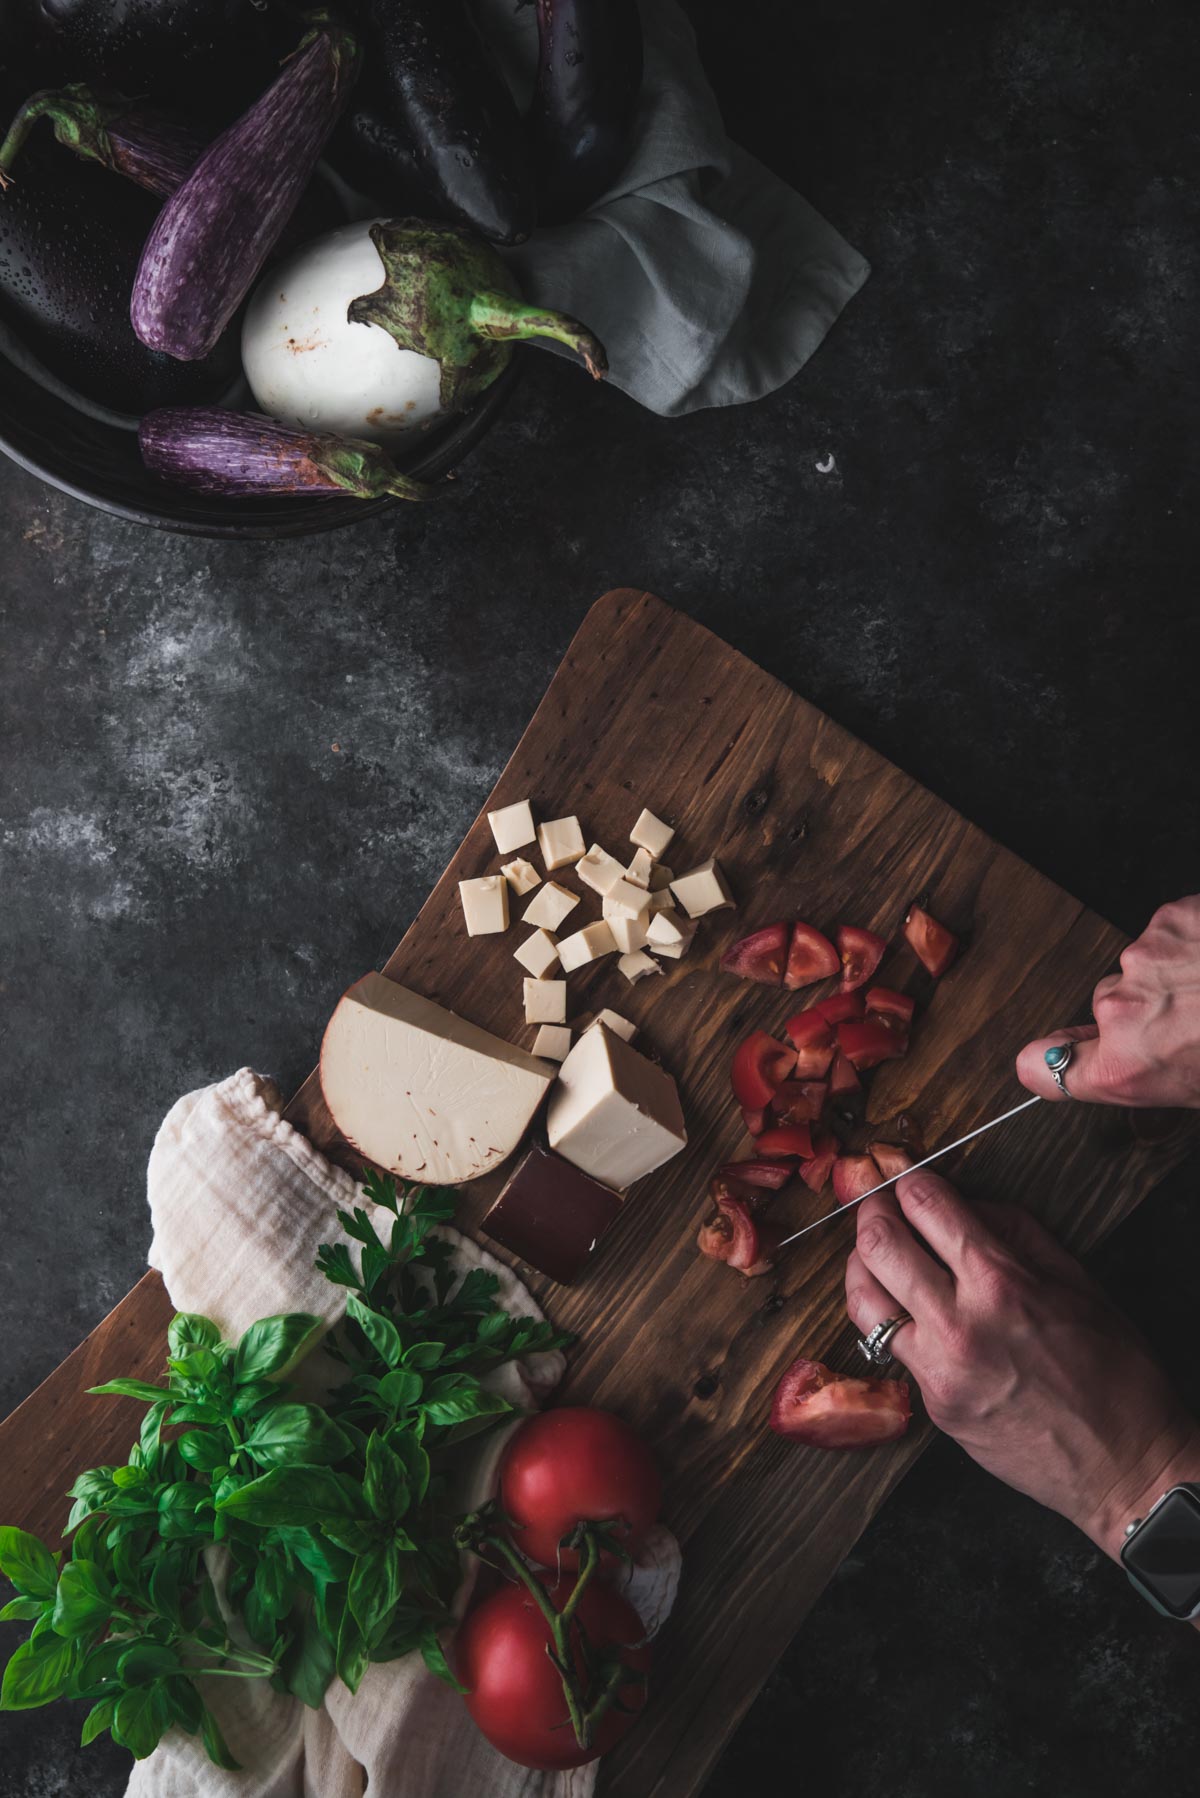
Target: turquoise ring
{"points": [[1058, 1059]]}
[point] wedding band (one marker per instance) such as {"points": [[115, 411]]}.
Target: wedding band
{"points": [[875, 1345], [1058, 1059]]}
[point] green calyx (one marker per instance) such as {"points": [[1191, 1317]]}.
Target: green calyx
{"points": [[365, 470], [447, 295], [80, 118], [343, 45]]}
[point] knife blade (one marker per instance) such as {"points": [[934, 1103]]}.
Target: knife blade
{"points": [[936, 1156]]}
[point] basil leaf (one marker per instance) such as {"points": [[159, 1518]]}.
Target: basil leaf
{"points": [[379, 1331], [17, 1610], [142, 1716], [321, 1558], [273, 1345], [98, 1719], [181, 1511], [302, 1433], [150, 1395], [293, 1498], [273, 1585], [83, 1603], [308, 1663], [435, 1659], [164, 1587], [385, 1483], [128, 1479], [198, 1367], [467, 1403], [352, 1656], [188, 1330], [374, 1588], [424, 1355], [38, 1672], [98, 1670], [198, 1412], [255, 1393], [27, 1563], [187, 1706], [147, 1661], [150, 1435], [214, 1742], [400, 1389], [414, 1458], [205, 1450]]}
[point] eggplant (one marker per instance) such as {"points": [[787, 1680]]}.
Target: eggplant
{"points": [[242, 454], [435, 130], [163, 47], [146, 146], [212, 237], [585, 101], [70, 238]]}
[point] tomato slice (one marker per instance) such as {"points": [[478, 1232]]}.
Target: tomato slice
{"points": [[890, 1160], [786, 1139], [731, 1235], [861, 952], [853, 1177], [844, 1083], [760, 956], [760, 1065], [840, 1006], [830, 1410], [934, 946], [755, 1118], [800, 1101], [770, 1174], [816, 1172], [810, 1030], [865, 1042], [894, 1008], [811, 956]]}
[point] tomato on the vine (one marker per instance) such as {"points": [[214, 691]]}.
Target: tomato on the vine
{"points": [[576, 1465]]}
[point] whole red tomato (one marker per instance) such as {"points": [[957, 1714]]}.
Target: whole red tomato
{"points": [[514, 1692], [576, 1466]]}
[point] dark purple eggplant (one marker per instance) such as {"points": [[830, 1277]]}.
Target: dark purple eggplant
{"points": [[585, 102], [155, 151], [215, 233], [435, 130], [243, 454], [70, 239], [162, 47]]}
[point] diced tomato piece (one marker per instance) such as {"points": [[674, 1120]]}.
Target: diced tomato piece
{"points": [[830, 1410], [727, 1186], [853, 1176], [760, 956], [816, 1172], [894, 1008], [731, 1235], [813, 1064], [865, 1042], [800, 1101], [810, 1030], [786, 1139], [760, 1065], [771, 1174], [933, 945], [861, 952], [811, 956], [840, 1006], [755, 1118], [844, 1083], [890, 1160]]}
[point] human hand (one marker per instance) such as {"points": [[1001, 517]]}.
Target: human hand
{"points": [[1144, 1048], [1019, 1355]]}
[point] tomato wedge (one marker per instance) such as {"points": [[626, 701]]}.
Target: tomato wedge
{"points": [[853, 1176], [934, 946], [811, 956], [786, 1139], [731, 1235], [861, 952], [831, 1410], [770, 1174], [889, 1159], [844, 1083], [816, 1172], [760, 956], [815, 1048], [754, 1118], [840, 1006], [896, 1009], [865, 1042], [760, 1065], [800, 1101]]}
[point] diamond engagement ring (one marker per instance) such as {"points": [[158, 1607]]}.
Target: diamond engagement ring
{"points": [[875, 1346], [1058, 1059]]}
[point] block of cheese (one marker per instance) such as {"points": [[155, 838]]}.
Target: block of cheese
{"points": [[552, 1042], [613, 1113], [521, 876], [668, 931], [650, 833], [421, 1092], [512, 826], [636, 964], [549, 907], [625, 900], [585, 945], [551, 1215], [598, 869], [545, 1002], [616, 1023], [629, 933], [538, 953], [485, 904], [640, 868], [702, 889], [561, 842]]}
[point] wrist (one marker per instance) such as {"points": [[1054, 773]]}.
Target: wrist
{"points": [[1173, 1459]]}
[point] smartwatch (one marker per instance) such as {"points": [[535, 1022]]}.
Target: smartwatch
{"points": [[1161, 1553]]}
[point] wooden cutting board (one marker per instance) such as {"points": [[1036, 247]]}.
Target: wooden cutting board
{"points": [[648, 708]]}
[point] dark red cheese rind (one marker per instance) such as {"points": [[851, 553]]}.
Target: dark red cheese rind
{"points": [[551, 1215]]}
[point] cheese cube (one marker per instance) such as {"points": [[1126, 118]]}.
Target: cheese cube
{"points": [[485, 904], [549, 907], [613, 1113], [561, 842], [545, 1002], [673, 951], [667, 929], [612, 1020], [664, 901], [512, 826], [521, 876], [586, 945], [624, 900], [650, 833], [702, 889], [637, 965], [553, 1042], [538, 953], [640, 869], [629, 933], [599, 870]]}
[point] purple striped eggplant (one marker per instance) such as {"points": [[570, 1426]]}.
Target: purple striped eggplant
{"points": [[584, 105], [244, 455], [215, 233], [145, 146]]}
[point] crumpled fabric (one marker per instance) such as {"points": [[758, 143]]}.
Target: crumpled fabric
{"points": [[240, 1202]]}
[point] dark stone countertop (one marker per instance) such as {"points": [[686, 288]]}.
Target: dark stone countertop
{"points": [[230, 774]]}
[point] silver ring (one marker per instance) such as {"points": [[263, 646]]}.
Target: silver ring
{"points": [[875, 1345], [1058, 1060]]}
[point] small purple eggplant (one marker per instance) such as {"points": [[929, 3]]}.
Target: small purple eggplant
{"points": [[215, 233], [242, 454], [145, 146]]}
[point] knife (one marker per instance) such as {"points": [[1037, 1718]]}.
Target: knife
{"points": [[936, 1156]]}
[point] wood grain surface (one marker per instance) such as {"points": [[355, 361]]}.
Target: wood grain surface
{"points": [[648, 708]]}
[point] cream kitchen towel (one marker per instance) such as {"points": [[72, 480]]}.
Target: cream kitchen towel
{"points": [[240, 1202]]}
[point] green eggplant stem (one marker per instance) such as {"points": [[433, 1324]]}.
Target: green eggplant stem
{"points": [[503, 317], [367, 471], [80, 119]]}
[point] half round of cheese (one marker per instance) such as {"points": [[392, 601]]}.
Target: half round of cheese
{"points": [[421, 1092]]}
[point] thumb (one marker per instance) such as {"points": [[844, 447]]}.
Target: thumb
{"points": [[1083, 1076]]}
